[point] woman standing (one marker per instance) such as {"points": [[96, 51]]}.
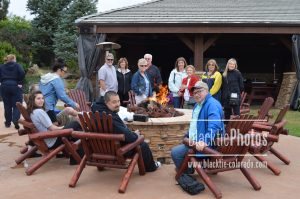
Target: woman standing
{"points": [[232, 87], [213, 78], [124, 76], [140, 83], [11, 79], [175, 80], [187, 85]]}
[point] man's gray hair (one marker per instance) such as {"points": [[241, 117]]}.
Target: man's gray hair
{"points": [[108, 95]]}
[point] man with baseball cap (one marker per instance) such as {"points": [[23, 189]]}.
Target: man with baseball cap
{"points": [[206, 123]]}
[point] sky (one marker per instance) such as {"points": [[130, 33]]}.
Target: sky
{"points": [[18, 7]]}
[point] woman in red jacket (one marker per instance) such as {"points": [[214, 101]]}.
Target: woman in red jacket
{"points": [[186, 86]]}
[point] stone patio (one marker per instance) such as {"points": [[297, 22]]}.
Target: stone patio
{"points": [[51, 181]]}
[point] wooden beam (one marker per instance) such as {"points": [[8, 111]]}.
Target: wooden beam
{"points": [[286, 42], [210, 41], [186, 41], [121, 28], [198, 52]]}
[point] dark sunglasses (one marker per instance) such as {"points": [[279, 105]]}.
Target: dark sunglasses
{"points": [[110, 59]]}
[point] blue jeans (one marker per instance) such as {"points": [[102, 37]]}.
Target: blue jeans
{"points": [[176, 102], [178, 153]]}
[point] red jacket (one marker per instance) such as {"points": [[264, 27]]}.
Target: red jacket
{"points": [[193, 81]]}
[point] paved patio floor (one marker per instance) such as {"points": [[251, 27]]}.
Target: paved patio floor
{"points": [[51, 181]]}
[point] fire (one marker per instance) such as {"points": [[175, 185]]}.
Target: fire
{"points": [[162, 96]]}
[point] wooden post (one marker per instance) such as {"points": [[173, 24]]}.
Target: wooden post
{"points": [[198, 52]]}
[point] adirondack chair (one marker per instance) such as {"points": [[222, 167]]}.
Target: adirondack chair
{"points": [[131, 101], [37, 138], [274, 130], [228, 151], [103, 148], [263, 112], [244, 107], [79, 97]]}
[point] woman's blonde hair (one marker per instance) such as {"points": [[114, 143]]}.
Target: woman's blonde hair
{"points": [[190, 66], [10, 57], [123, 59], [232, 60]]}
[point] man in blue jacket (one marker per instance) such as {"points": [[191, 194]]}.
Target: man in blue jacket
{"points": [[206, 123], [53, 88]]}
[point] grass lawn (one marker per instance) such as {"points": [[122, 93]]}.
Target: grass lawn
{"points": [[292, 117]]}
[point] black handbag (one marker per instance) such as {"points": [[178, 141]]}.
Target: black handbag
{"points": [[234, 99], [190, 185]]}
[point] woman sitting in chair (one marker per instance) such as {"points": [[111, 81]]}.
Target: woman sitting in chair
{"points": [[42, 121]]}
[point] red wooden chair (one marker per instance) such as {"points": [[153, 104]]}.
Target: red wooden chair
{"points": [[79, 97], [103, 148], [131, 101], [244, 107], [274, 130], [228, 151], [263, 112], [37, 138]]}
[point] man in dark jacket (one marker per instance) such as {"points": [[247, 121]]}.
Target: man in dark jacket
{"points": [[111, 105]]}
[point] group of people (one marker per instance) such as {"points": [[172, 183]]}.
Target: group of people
{"points": [[203, 94], [144, 82], [223, 87]]}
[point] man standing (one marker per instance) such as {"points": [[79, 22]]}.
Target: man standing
{"points": [[111, 105], [153, 73], [206, 123], [107, 76]]}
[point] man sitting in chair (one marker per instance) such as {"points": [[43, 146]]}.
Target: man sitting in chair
{"points": [[111, 105], [205, 125]]}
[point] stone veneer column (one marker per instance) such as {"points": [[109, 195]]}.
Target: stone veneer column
{"points": [[287, 87]]}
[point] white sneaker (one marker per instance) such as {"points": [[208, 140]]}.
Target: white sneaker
{"points": [[157, 164]]}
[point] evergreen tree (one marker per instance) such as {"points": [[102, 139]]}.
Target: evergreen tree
{"points": [[4, 9], [66, 33], [45, 24]]}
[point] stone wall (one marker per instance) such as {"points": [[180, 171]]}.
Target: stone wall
{"points": [[162, 134], [161, 138], [287, 87]]}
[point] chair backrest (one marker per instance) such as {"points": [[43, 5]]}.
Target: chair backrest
{"points": [[131, 95], [233, 143], [99, 142], [30, 128], [243, 97], [265, 108], [282, 113], [79, 97]]}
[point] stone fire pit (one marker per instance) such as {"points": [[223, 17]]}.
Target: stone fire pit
{"points": [[163, 133]]}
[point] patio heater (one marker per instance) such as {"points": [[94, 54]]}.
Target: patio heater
{"points": [[108, 46]]}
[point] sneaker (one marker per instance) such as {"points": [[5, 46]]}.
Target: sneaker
{"points": [[157, 164], [16, 125]]}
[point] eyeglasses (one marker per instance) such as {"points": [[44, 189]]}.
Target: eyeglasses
{"points": [[143, 65], [147, 58], [110, 59], [198, 91], [63, 70]]}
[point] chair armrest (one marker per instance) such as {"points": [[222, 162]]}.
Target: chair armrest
{"points": [[130, 146], [26, 124], [51, 134], [261, 127], [206, 150]]}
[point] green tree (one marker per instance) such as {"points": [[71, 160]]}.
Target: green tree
{"points": [[45, 24], [66, 34], [4, 9], [15, 31]]}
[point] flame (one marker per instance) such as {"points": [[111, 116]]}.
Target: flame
{"points": [[162, 96]]}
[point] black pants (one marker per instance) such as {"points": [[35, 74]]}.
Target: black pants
{"points": [[11, 95], [232, 110], [123, 97], [147, 157]]}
